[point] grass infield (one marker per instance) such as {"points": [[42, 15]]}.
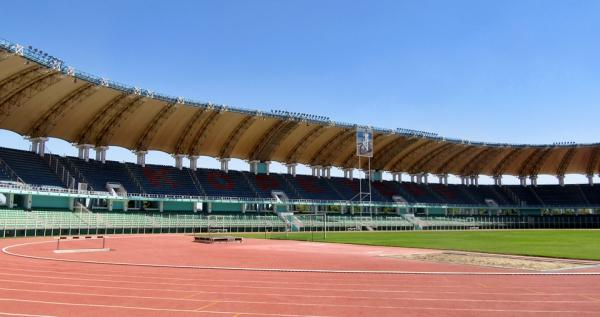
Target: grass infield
{"points": [[571, 244]]}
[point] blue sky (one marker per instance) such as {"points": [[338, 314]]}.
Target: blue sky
{"points": [[505, 71]]}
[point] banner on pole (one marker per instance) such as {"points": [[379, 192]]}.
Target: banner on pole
{"points": [[364, 142]]}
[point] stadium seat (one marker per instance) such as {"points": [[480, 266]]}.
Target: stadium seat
{"points": [[30, 167]]}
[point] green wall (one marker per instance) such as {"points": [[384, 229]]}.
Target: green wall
{"points": [[50, 202]]}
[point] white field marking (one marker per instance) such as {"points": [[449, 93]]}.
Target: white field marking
{"points": [[22, 315], [284, 270], [404, 286], [197, 293], [278, 282], [595, 313], [149, 309], [208, 285]]}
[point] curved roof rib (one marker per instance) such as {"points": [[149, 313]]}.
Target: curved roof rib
{"points": [[37, 92]]}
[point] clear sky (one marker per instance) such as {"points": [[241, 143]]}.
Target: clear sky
{"points": [[505, 71]]}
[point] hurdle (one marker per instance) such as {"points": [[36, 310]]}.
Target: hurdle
{"points": [[80, 238]]}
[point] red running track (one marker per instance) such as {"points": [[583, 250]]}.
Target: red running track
{"points": [[31, 286]]}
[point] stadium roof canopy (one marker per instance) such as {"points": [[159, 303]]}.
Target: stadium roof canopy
{"points": [[42, 97]]}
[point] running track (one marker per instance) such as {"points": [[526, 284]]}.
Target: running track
{"points": [[44, 287]]}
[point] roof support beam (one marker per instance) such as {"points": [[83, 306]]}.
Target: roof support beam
{"points": [[235, 136], [16, 98], [476, 164], [266, 145], [19, 78], [185, 136], [414, 152], [565, 161], [592, 165], [126, 109], [301, 145], [500, 168], [200, 135], [159, 119], [383, 157], [57, 111], [445, 167], [86, 135], [320, 157], [346, 141], [420, 165], [533, 163]]}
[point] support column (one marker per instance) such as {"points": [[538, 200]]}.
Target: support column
{"points": [[84, 151], [590, 178], [161, 206], [253, 167], [349, 173], [291, 169], [109, 205], [475, 180], [533, 179], [561, 180], [10, 200], [141, 157], [397, 176], [101, 153], [317, 171], [224, 164], [125, 205], [28, 202], [71, 203], [327, 172], [523, 180], [38, 145], [424, 178], [34, 145], [178, 161], [440, 179], [209, 207], [412, 178], [193, 162], [497, 180]]}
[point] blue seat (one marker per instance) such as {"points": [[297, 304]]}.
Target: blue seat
{"points": [[30, 167]]}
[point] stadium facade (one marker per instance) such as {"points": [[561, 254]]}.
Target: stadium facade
{"points": [[41, 97]]}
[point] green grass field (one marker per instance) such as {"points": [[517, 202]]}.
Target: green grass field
{"points": [[573, 244]]}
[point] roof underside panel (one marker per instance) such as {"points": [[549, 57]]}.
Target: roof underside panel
{"points": [[36, 100]]}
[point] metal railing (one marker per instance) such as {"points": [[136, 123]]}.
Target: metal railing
{"points": [[31, 189], [10, 173], [15, 223]]}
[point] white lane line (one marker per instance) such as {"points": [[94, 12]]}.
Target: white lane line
{"points": [[286, 270], [240, 281], [22, 315], [292, 315], [281, 302], [276, 289], [148, 308]]}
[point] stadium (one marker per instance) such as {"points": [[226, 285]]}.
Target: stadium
{"points": [[56, 210]]}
